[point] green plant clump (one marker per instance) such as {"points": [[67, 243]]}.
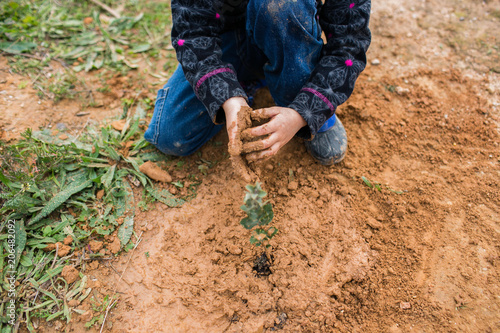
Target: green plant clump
{"points": [[52, 188], [260, 214]]}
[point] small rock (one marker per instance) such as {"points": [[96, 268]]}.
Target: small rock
{"points": [[119, 125], [374, 223], [68, 240], [402, 91], [73, 303], [283, 191], [233, 249], [86, 316], [99, 194], [115, 246], [269, 167], [155, 172], [61, 126], [405, 305], [63, 136], [292, 186], [69, 273], [94, 264], [63, 250], [375, 62], [95, 246], [49, 247]]}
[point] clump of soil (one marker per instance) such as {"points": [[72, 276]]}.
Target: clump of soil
{"points": [[235, 148], [69, 273], [262, 265], [246, 143], [155, 172]]}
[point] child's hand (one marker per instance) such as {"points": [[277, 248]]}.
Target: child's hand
{"points": [[231, 108], [284, 124]]}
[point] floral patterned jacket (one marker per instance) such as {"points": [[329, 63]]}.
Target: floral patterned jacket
{"points": [[197, 26]]}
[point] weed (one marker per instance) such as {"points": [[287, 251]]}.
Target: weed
{"points": [[260, 214], [391, 88], [52, 188], [22, 84], [495, 13], [378, 186]]}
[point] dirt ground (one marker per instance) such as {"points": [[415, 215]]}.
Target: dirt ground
{"points": [[424, 119]]}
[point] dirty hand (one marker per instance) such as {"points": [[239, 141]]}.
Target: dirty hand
{"points": [[231, 108], [284, 124]]}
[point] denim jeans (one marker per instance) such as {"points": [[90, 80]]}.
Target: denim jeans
{"points": [[281, 43]]}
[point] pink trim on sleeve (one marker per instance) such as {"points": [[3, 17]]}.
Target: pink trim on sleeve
{"points": [[212, 73], [320, 95]]}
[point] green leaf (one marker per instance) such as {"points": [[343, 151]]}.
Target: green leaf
{"points": [[25, 261], [125, 231], [249, 223], [17, 47], [165, 197], [123, 200], [45, 136], [20, 239], [107, 178], [5, 180], [141, 48], [367, 182], [111, 152], [73, 187], [267, 215], [394, 191], [273, 232]]}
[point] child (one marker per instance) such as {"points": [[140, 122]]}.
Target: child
{"points": [[222, 44]]}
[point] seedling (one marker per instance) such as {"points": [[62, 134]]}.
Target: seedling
{"points": [[378, 186], [260, 214]]}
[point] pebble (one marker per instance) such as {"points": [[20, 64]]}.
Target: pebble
{"points": [[61, 126], [374, 223], [405, 305], [235, 250], [375, 62], [293, 186]]}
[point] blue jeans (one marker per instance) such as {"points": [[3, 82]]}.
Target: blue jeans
{"points": [[281, 43]]}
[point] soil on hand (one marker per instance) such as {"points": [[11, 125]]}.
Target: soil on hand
{"points": [[235, 148]]}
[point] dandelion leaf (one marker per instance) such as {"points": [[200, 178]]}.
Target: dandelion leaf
{"points": [[125, 230], [165, 197], [21, 237], [75, 184]]}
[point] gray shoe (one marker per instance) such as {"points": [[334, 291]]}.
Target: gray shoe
{"points": [[329, 147]]}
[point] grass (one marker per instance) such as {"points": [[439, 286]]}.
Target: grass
{"points": [[84, 186], [79, 187], [378, 186], [82, 36]]}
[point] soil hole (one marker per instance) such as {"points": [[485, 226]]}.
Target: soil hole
{"points": [[262, 265]]}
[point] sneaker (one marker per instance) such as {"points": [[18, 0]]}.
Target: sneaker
{"points": [[329, 146]]}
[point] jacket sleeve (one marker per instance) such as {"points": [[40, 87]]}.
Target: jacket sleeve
{"points": [[345, 24], [196, 39]]}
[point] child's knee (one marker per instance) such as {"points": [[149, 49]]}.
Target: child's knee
{"points": [[170, 142]]}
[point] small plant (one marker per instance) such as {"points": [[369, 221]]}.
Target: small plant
{"points": [[260, 214]]}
